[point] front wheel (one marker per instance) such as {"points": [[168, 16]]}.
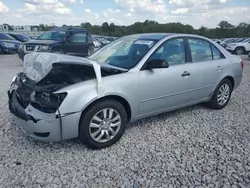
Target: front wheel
{"points": [[221, 95], [1, 50], [103, 124]]}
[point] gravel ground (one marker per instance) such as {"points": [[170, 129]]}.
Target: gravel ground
{"points": [[192, 147]]}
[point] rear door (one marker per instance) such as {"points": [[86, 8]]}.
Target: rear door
{"points": [[77, 44], [207, 66], [168, 88]]}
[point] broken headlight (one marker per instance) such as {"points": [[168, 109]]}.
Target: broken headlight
{"points": [[47, 101]]}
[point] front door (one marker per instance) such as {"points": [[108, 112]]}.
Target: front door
{"points": [[167, 88], [77, 44]]}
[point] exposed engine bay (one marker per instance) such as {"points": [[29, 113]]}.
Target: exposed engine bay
{"points": [[40, 94]]}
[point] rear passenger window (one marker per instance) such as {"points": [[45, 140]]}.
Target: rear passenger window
{"points": [[216, 52], [200, 50], [79, 38]]}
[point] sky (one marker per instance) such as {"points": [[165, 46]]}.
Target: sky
{"points": [[197, 13]]}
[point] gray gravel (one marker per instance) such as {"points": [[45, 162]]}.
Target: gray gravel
{"points": [[192, 147]]}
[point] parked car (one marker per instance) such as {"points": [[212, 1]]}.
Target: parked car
{"points": [[220, 42], [102, 40], [61, 40], [239, 48], [19, 37], [8, 44], [58, 97], [97, 44]]}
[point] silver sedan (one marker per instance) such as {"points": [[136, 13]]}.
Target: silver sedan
{"points": [[59, 97]]}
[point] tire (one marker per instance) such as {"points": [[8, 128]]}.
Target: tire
{"points": [[214, 103], [239, 51], [1, 50], [97, 109]]}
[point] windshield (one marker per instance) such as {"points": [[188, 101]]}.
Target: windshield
{"points": [[6, 37], [246, 40], [23, 37], [124, 53], [52, 35]]}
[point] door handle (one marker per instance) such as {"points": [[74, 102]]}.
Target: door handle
{"points": [[185, 74], [219, 68]]}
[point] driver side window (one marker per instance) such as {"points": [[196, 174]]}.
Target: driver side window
{"points": [[172, 51]]}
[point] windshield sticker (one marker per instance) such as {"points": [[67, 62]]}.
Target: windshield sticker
{"points": [[147, 42]]}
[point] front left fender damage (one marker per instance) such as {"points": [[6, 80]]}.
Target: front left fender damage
{"points": [[33, 95]]}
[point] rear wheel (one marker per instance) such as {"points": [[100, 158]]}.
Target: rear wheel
{"points": [[239, 50], [221, 95], [103, 124]]}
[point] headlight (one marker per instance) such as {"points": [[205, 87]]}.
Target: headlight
{"points": [[8, 45], [47, 99], [44, 48], [21, 46]]}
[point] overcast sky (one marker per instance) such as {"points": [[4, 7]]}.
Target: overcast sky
{"points": [[124, 12]]}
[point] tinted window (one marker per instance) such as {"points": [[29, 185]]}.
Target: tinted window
{"points": [[79, 38], [200, 50], [216, 52], [172, 51]]}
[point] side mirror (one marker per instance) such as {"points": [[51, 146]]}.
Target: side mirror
{"points": [[157, 64]]}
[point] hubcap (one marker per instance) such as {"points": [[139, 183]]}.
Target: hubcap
{"points": [[105, 125], [223, 94], [239, 51]]}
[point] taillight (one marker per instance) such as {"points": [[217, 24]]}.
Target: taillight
{"points": [[242, 64]]}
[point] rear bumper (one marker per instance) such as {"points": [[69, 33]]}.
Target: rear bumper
{"points": [[237, 81]]}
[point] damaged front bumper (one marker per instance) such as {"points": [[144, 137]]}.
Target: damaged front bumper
{"points": [[44, 128], [47, 127]]}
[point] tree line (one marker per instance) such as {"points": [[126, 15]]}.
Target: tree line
{"points": [[224, 29]]}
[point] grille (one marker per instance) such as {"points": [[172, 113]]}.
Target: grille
{"points": [[30, 48]]}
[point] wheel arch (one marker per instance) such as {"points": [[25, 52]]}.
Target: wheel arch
{"points": [[231, 79], [117, 98], [244, 48]]}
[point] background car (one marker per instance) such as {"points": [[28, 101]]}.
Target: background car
{"points": [[8, 44], [239, 48], [20, 37], [62, 97], [61, 40]]}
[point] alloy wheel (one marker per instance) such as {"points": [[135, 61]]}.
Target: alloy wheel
{"points": [[105, 125], [239, 51], [223, 94]]}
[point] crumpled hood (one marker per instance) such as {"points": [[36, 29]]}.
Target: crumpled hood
{"points": [[38, 64]]}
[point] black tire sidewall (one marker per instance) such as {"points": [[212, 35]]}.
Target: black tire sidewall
{"points": [[1, 50], [214, 102], [84, 134]]}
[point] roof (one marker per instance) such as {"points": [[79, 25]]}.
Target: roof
{"points": [[156, 36], [67, 28]]}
